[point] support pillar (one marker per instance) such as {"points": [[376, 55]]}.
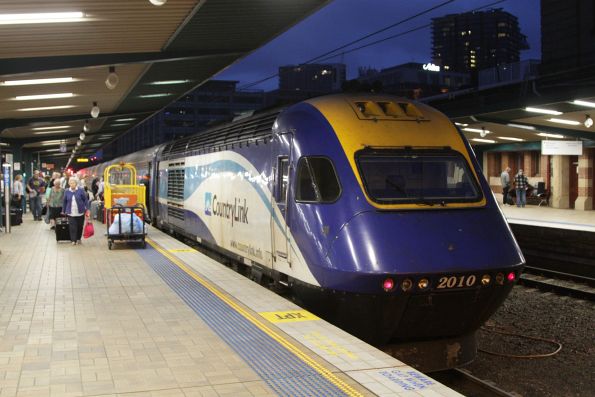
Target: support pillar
{"points": [[584, 201], [560, 182]]}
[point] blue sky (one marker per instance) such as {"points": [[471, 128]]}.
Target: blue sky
{"points": [[345, 20]]}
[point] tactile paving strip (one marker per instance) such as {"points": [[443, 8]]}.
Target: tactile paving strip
{"points": [[283, 371]]}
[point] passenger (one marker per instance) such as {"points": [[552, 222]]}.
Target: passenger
{"points": [[146, 181], [17, 191], [90, 195], [36, 189], [55, 202], [76, 206], [521, 185], [505, 180]]}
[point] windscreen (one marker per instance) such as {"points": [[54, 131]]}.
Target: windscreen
{"points": [[417, 176]]}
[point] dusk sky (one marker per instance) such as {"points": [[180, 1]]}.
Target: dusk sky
{"points": [[345, 20]]}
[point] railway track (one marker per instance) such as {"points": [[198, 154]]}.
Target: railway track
{"points": [[574, 285], [469, 385]]}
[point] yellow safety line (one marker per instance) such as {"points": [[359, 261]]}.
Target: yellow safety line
{"points": [[270, 332]]}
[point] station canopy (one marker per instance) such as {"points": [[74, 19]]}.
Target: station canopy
{"points": [[55, 58]]}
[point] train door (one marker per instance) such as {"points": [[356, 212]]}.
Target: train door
{"points": [[280, 220]]}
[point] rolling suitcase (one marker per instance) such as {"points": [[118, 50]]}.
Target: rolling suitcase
{"points": [[62, 230], [16, 216]]}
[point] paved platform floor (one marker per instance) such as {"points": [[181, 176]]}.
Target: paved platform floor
{"points": [[550, 217], [86, 321]]}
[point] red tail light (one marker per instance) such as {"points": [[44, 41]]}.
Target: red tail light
{"points": [[388, 284], [511, 277]]}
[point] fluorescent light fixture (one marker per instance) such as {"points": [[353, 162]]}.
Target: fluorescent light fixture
{"points": [[51, 150], [154, 95], [564, 121], [544, 111], [480, 131], [525, 127], [118, 124], [53, 127], [170, 82], [46, 108], [41, 17], [509, 138], [49, 143], [44, 96], [461, 124], [128, 119], [38, 81], [51, 132], [584, 103], [551, 135], [483, 140]]}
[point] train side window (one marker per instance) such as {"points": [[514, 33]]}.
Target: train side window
{"points": [[283, 178], [317, 181]]}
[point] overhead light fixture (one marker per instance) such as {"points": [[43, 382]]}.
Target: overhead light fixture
{"points": [[588, 121], [112, 79], [46, 108], [564, 121], [41, 17], [52, 127], [50, 132], [461, 124], [44, 96], [170, 82], [483, 140], [154, 95], [584, 103], [128, 119], [86, 126], [545, 134], [78, 143], [118, 124], [95, 110], [158, 2], [524, 127], [480, 131], [509, 138], [38, 81], [544, 111], [82, 136]]}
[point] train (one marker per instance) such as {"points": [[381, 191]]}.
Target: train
{"points": [[372, 209]]}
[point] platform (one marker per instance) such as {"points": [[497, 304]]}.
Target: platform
{"points": [[168, 321], [550, 217]]}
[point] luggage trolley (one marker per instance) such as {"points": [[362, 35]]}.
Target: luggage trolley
{"points": [[124, 201]]}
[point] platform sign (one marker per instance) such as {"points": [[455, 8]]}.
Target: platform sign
{"points": [[289, 316], [564, 148], [82, 160]]}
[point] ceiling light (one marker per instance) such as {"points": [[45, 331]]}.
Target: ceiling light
{"points": [[480, 131], [82, 136], [43, 17], [154, 95], [38, 81], [128, 119], [564, 121], [544, 111], [509, 138], [551, 135], [584, 103], [170, 82], [46, 108], [118, 124], [525, 127], [53, 127], [44, 96], [50, 132], [86, 126], [79, 143], [112, 78], [483, 140], [158, 2], [588, 121], [95, 110], [461, 124]]}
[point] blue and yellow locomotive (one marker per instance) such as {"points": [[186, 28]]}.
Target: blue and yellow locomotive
{"points": [[371, 208]]}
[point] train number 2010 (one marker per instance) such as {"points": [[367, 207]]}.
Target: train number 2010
{"points": [[456, 281]]}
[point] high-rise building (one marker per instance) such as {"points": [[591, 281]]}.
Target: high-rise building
{"points": [[476, 40], [567, 34], [215, 101], [313, 79]]}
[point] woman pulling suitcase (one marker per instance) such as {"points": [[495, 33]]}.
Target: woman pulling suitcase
{"points": [[76, 207]]}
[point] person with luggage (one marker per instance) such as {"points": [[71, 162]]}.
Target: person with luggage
{"points": [[76, 206], [55, 200], [17, 191], [36, 188]]}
